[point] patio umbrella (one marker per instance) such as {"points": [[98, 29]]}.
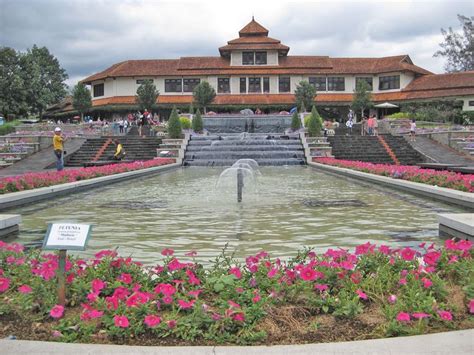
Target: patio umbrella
{"points": [[385, 105]]}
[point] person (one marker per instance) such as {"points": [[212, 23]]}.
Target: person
{"points": [[370, 125], [363, 128], [258, 111], [121, 125], [413, 130], [58, 146], [119, 151], [350, 115], [349, 125], [125, 126], [376, 126]]}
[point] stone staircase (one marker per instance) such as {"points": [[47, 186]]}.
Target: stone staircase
{"points": [[370, 149], [224, 150], [100, 150]]}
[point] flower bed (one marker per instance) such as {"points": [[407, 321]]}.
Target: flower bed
{"points": [[35, 180], [452, 180], [339, 295]]}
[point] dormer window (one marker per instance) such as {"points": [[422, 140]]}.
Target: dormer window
{"points": [[254, 58]]}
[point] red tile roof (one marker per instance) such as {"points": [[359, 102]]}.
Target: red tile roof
{"points": [[442, 81], [253, 28]]}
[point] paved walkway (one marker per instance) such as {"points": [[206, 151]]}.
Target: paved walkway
{"points": [[440, 153], [41, 160], [451, 343]]}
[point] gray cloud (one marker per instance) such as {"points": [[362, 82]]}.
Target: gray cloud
{"points": [[88, 36]]}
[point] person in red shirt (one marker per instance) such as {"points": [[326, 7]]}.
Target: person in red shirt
{"points": [[370, 125]]}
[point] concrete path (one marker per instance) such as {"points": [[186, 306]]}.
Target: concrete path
{"points": [[451, 343], [440, 153], [41, 160]]}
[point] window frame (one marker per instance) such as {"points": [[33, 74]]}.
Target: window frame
{"points": [[219, 91], [315, 78], [266, 85], [388, 80], [265, 61], [282, 83], [365, 78], [98, 92], [254, 85], [195, 82], [244, 81], [174, 80], [332, 83], [248, 62]]}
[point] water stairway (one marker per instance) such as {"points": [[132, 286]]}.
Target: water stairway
{"points": [[226, 149]]}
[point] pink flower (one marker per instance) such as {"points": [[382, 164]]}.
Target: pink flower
{"points": [[56, 334], [361, 294], [195, 293], [420, 315], [256, 298], [464, 245], [408, 254], [191, 253], [403, 317], [193, 280], [239, 317], [186, 305], [175, 264], [364, 248], [308, 274], [171, 324], [233, 304], [236, 272], [321, 287], [402, 281], [165, 289], [152, 320], [431, 258], [445, 315], [57, 311], [167, 252], [271, 274], [4, 284], [121, 321], [25, 289], [426, 282], [125, 278], [471, 306], [167, 299], [392, 299], [97, 285]]}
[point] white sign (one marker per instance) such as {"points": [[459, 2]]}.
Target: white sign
{"points": [[71, 236]]}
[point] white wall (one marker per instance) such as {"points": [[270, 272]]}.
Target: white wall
{"points": [[466, 106]]}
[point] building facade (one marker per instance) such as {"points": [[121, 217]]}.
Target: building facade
{"points": [[255, 70]]}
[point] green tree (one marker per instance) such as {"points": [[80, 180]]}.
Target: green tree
{"points": [[295, 121], [203, 95], [362, 98], [458, 48], [191, 109], [81, 99], [12, 85], [197, 122], [305, 95], [147, 94], [174, 125], [44, 79], [315, 123]]}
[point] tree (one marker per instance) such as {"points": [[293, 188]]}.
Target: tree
{"points": [[305, 95], [147, 94], [191, 109], [197, 122], [203, 95], [81, 99], [315, 123], [295, 122], [44, 79], [12, 85], [362, 97], [458, 48], [174, 125]]}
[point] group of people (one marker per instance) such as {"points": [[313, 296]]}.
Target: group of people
{"points": [[370, 126]]}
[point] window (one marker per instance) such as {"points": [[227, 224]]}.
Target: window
{"points": [[266, 84], [190, 84], [470, 103], [247, 58], [336, 84], [98, 90], [389, 82], [254, 85], [284, 84], [319, 83], [243, 85], [367, 79], [260, 57], [223, 85], [173, 85]]}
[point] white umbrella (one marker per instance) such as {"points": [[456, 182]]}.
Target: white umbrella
{"points": [[386, 105]]}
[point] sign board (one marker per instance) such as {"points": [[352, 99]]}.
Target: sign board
{"points": [[67, 236]]}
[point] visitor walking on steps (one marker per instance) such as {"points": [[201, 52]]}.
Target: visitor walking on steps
{"points": [[119, 151], [121, 125], [363, 126], [349, 125], [376, 126], [413, 131], [58, 146], [370, 125]]}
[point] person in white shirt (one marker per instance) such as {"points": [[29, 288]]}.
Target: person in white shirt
{"points": [[413, 130]]}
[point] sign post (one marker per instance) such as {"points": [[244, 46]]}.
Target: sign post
{"points": [[63, 237]]}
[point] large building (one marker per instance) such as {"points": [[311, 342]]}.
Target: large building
{"points": [[255, 70]]}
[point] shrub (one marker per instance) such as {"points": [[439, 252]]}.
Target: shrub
{"points": [[315, 123], [174, 125], [8, 127], [185, 122], [295, 122], [398, 115], [197, 122]]}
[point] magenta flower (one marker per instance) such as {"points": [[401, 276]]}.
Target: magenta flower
{"points": [[57, 311], [239, 317], [420, 315], [191, 253], [392, 299], [408, 254], [165, 289], [308, 274], [445, 315], [361, 294], [402, 281], [125, 278], [97, 285], [121, 321], [233, 304], [431, 258], [236, 272], [186, 305], [403, 317], [152, 320], [25, 289], [321, 287], [471, 306], [167, 252], [427, 283], [171, 324]]}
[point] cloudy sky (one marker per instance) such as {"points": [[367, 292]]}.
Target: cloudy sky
{"points": [[88, 36]]}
